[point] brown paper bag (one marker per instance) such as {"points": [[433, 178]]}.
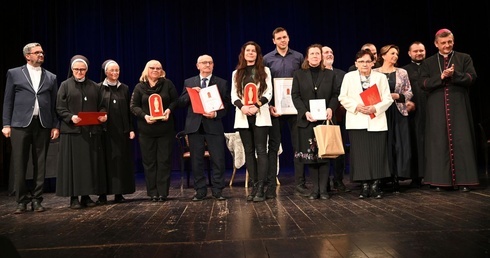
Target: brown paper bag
{"points": [[329, 140]]}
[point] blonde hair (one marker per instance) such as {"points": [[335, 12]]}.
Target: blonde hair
{"points": [[144, 74]]}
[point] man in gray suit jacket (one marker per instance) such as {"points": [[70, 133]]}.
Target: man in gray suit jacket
{"points": [[205, 129], [30, 121]]}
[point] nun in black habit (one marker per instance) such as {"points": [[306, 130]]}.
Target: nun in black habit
{"points": [[81, 170], [118, 133]]}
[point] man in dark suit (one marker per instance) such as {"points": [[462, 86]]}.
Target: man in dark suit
{"points": [[30, 121], [206, 130], [416, 117]]}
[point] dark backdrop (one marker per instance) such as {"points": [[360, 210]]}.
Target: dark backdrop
{"points": [[177, 32]]}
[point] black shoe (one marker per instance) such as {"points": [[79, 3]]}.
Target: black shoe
{"points": [[270, 193], [102, 199], [340, 187], [154, 198], [314, 196], [198, 197], [465, 189], [219, 196], [118, 198], [416, 182], [396, 186], [162, 198], [36, 206], [364, 191], [301, 190], [375, 190], [87, 202], [324, 196], [253, 192], [74, 203], [21, 208]]}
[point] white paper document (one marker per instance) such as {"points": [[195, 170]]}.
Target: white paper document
{"points": [[318, 109], [283, 100]]}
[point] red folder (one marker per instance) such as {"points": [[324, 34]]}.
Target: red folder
{"points": [[370, 97], [195, 100], [200, 101], [89, 118]]}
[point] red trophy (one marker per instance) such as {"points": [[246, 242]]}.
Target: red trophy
{"points": [[250, 92], [156, 107]]}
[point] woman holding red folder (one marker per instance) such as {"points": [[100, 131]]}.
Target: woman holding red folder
{"points": [[81, 169], [367, 133]]}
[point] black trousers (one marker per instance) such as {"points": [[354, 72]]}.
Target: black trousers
{"points": [[216, 147], [35, 138], [275, 138], [254, 141], [156, 153]]}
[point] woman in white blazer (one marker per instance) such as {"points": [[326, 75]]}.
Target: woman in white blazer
{"points": [[366, 125], [252, 119]]}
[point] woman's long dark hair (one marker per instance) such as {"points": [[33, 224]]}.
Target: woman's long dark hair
{"points": [[259, 74]]}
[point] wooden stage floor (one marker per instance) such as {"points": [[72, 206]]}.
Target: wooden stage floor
{"points": [[418, 222]]}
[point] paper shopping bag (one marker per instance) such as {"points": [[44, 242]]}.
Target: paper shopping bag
{"points": [[329, 141]]}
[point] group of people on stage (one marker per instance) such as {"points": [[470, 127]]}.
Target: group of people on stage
{"points": [[419, 127]]}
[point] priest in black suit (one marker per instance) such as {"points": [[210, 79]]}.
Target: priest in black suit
{"points": [[416, 115], [206, 129]]}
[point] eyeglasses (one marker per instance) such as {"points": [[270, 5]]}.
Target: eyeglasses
{"points": [[363, 62], [206, 62], [36, 53], [79, 70], [155, 68], [113, 71]]}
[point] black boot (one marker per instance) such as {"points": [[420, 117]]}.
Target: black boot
{"points": [[396, 185], [271, 192], [74, 203], [375, 192], [252, 194], [86, 201], [259, 195], [102, 199], [364, 190]]}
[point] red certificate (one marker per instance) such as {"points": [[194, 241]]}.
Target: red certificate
{"points": [[89, 118], [371, 97]]}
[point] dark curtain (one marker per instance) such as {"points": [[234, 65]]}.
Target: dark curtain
{"points": [[177, 32]]}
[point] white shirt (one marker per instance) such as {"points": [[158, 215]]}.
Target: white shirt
{"points": [[35, 74]]}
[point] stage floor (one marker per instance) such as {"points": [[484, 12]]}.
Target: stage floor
{"points": [[417, 222]]}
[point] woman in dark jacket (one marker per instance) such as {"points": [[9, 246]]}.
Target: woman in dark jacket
{"points": [[313, 81], [156, 134]]}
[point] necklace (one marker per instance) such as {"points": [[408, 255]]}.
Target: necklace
{"points": [[365, 83], [448, 62]]}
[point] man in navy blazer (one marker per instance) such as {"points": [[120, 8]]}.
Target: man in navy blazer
{"points": [[30, 121], [205, 129]]}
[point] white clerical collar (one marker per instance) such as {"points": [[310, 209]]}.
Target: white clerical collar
{"points": [[33, 68]]}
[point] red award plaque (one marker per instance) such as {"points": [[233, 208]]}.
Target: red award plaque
{"points": [[250, 92], [156, 107]]}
